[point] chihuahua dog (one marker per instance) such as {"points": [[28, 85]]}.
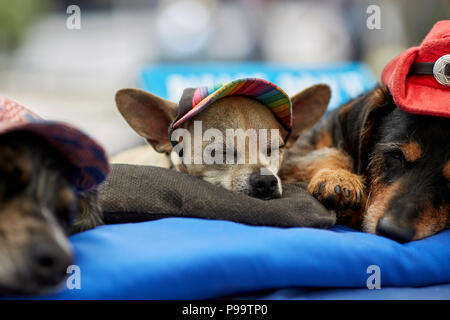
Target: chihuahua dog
{"points": [[378, 167], [38, 209], [151, 116]]}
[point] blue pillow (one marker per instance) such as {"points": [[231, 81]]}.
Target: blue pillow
{"points": [[187, 258], [434, 292]]}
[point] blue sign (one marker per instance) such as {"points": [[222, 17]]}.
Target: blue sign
{"points": [[347, 80]]}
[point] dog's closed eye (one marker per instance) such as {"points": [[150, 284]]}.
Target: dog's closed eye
{"points": [[66, 206], [396, 154]]}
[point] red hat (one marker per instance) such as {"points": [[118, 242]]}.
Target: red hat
{"points": [[89, 163], [419, 78]]}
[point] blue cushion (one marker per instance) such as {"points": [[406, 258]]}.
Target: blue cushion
{"points": [[434, 292], [187, 258]]}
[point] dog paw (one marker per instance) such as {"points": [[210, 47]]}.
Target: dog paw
{"points": [[338, 189]]}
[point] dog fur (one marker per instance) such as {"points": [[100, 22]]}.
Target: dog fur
{"points": [[38, 209], [382, 169], [150, 116]]}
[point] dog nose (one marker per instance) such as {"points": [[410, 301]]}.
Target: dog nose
{"points": [[263, 186], [387, 228], [49, 262]]}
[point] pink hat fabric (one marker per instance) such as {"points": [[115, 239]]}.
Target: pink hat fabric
{"points": [[90, 165]]}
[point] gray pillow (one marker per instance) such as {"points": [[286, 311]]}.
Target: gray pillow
{"points": [[141, 193]]}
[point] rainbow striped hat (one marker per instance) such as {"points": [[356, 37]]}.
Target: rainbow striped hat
{"points": [[194, 101]]}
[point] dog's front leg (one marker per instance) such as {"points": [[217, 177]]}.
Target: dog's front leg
{"points": [[330, 178]]}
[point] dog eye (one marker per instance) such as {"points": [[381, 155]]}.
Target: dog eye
{"points": [[66, 206], [397, 155]]}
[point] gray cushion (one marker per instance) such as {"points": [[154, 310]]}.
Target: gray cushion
{"points": [[140, 193]]}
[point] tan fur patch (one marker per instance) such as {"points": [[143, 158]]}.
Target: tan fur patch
{"points": [[376, 99], [412, 151], [345, 109], [367, 131], [378, 96], [142, 155], [377, 203], [14, 222], [65, 198], [336, 160], [304, 168], [431, 221], [446, 170], [294, 174], [324, 140], [376, 168]]}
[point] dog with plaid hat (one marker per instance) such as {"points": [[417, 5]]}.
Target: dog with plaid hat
{"points": [[48, 174]]}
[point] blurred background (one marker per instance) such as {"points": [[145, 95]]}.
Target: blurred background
{"points": [[72, 74]]}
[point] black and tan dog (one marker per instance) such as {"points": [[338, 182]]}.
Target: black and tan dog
{"points": [[379, 167]]}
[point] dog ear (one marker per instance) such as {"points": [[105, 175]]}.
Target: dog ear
{"points": [[149, 115], [359, 119], [308, 106]]}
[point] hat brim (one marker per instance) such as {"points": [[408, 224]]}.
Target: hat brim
{"points": [[89, 163], [413, 93], [261, 90]]}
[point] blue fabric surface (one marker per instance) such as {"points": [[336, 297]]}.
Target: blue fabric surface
{"points": [[435, 292], [183, 258]]}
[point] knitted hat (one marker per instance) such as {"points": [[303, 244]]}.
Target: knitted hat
{"points": [[89, 163]]}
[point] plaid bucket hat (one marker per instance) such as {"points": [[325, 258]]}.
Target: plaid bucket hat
{"points": [[89, 164], [195, 100], [419, 77]]}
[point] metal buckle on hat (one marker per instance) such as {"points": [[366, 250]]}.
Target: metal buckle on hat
{"points": [[441, 70]]}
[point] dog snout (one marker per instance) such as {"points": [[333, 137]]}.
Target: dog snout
{"points": [[386, 227], [48, 262], [264, 186]]}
